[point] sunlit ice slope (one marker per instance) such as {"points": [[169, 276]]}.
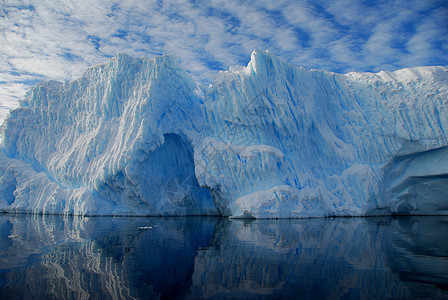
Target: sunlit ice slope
{"points": [[116, 141]]}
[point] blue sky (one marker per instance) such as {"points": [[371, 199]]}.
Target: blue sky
{"points": [[58, 40]]}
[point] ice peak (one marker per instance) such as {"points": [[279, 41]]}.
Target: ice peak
{"points": [[261, 61]]}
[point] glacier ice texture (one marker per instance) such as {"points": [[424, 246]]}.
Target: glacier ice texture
{"points": [[270, 140], [117, 141]]}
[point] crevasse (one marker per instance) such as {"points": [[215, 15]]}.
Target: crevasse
{"points": [[271, 140]]}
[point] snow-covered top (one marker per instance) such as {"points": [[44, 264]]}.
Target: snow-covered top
{"points": [[404, 75]]}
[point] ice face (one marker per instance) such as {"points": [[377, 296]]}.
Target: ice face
{"points": [[122, 134], [287, 142], [271, 140]]}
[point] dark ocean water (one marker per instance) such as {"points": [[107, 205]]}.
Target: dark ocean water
{"points": [[56, 257]]}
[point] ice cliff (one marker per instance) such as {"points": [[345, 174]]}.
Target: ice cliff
{"points": [[116, 141], [270, 140]]}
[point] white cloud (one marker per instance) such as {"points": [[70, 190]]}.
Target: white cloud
{"points": [[59, 39], [429, 31]]}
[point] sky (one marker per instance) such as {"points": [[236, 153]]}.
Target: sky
{"points": [[60, 39]]}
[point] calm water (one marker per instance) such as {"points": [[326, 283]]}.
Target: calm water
{"points": [[54, 257]]}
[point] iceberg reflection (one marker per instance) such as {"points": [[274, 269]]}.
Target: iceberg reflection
{"points": [[420, 252], [56, 257], [176, 258], [356, 258]]}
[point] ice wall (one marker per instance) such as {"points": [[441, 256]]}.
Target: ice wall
{"points": [[270, 140], [116, 141], [283, 141]]}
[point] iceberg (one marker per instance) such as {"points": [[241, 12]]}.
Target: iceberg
{"points": [[269, 140]]}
